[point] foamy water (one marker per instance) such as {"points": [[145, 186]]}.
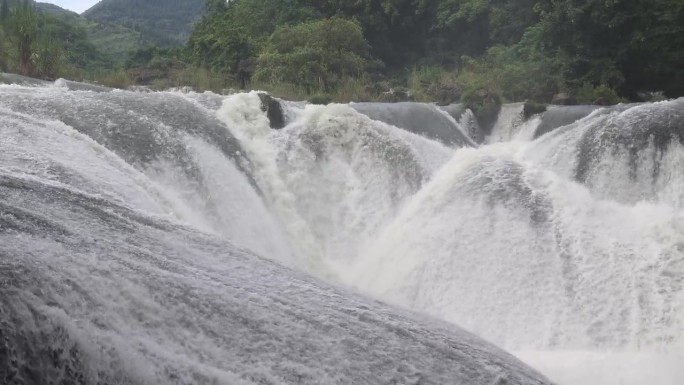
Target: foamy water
{"points": [[139, 218]]}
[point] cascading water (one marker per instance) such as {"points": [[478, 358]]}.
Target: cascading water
{"points": [[126, 220], [574, 242], [128, 227], [334, 176]]}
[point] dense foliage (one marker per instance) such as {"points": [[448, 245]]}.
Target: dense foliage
{"points": [[35, 33], [602, 51], [520, 49], [316, 55], [29, 44]]}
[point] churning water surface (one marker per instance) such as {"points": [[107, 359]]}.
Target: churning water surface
{"points": [[174, 237]]}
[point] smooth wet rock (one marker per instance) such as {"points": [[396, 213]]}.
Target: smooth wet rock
{"points": [[81, 86], [420, 118], [531, 108], [632, 131], [558, 116], [7, 78], [131, 299]]}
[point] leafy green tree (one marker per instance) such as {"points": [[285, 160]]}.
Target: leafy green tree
{"points": [[220, 45], [315, 55], [398, 31], [520, 48], [24, 29], [4, 52], [236, 31], [625, 44], [48, 57], [215, 7], [71, 39]]}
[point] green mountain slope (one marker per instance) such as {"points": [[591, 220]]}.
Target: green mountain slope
{"points": [[163, 22], [54, 10], [112, 42]]}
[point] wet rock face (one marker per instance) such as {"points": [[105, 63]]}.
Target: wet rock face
{"points": [[273, 110], [530, 109], [633, 131], [419, 118], [133, 301], [558, 116], [7, 78], [504, 183]]}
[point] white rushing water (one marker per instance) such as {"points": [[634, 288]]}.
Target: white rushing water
{"points": [[503, 240], [135, 218]]}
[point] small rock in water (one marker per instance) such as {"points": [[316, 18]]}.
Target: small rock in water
{"points": [[273, 110]]}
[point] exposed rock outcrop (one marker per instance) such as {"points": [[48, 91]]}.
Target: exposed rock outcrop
{"points": [[274, 111]]}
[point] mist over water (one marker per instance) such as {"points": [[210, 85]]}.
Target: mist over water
{"points": [[133, 225]]}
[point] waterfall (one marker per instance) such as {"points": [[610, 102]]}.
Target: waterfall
{"points": [[174, 237]]}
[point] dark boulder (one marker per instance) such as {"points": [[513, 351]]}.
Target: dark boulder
{"points": [[531, 108], [274, 111]]}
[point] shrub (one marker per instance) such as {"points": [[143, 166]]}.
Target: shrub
{"points": [[601, 95]]}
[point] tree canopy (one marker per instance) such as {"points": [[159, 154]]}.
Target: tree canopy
{"points": [[626, 45], [164, 22], [316, 54]]}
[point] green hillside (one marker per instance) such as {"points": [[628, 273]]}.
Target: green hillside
{"points": [[54, 10], [105, 43], [163, 22], [112, 41]]}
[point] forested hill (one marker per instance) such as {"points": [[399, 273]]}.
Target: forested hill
{"points": [[165, 22], [46, 8], [54, 10], [523, 49]]}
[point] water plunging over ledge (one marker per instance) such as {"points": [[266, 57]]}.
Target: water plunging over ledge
{"points": [[175, 238]]}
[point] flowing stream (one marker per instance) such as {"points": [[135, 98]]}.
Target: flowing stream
{"points": [[175, 238]]}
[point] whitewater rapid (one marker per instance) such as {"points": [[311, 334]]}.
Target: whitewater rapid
{"points": [[133, 226], [567, 248]]}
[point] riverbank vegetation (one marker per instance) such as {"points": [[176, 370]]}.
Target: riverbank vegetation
{"points": [[592, 51], [596, 50]]}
